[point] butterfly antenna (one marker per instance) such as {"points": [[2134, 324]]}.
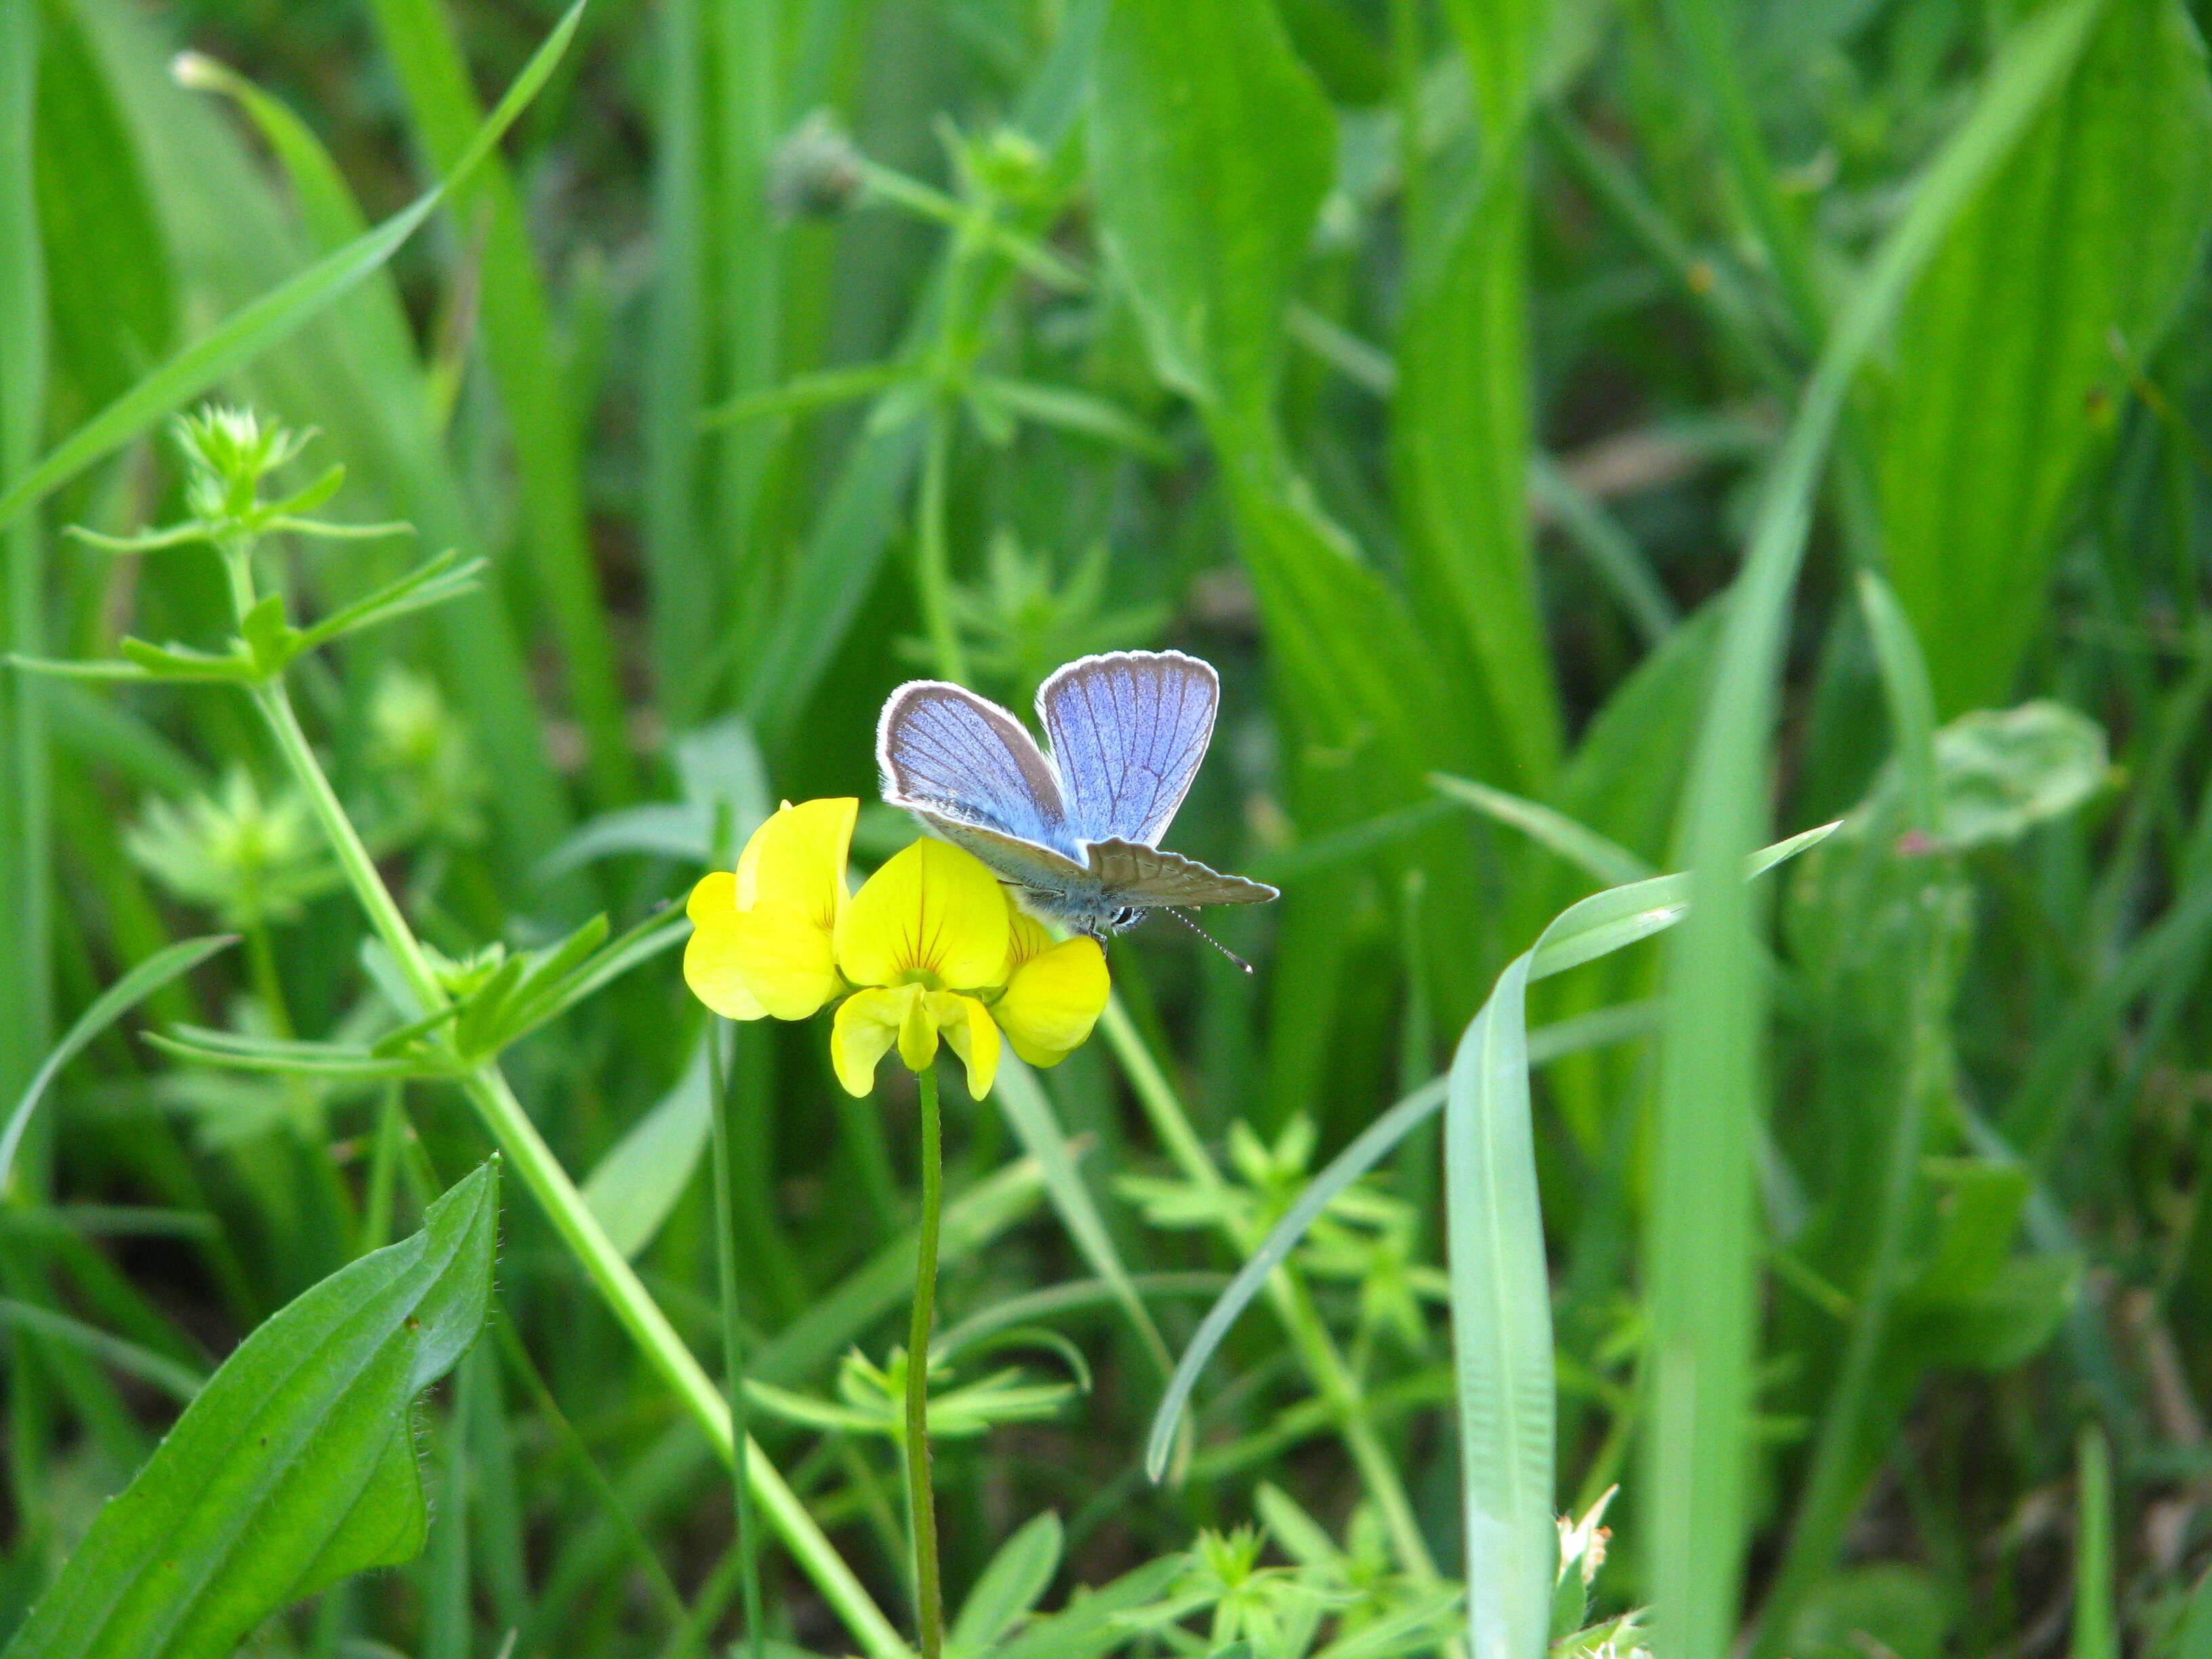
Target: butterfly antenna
{"points": [[1169, 909]]}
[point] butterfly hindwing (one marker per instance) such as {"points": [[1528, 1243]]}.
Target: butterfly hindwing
{"points": [[953, 756], [1128, 729], [1026, 864], [1146, 878]]}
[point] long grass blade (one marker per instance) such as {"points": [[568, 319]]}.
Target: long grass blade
{"points": [[1027, 1108], [534, 395], [25, 850], [1701, 1250], [140, 983]]}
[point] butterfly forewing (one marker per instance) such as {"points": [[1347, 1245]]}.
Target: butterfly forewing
{"points": [[1147, 878], [950, 754], [1128, 730]]}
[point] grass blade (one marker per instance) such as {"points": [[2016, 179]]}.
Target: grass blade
{"points": [[517, 340], [1701, 1249], [1028, 1109], [142, 981], [25, 849]]}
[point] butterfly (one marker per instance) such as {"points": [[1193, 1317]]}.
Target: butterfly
{"points": [[1074, 833]]}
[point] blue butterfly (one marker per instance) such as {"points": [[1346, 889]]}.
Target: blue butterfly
{"points": [[1076, 833]]}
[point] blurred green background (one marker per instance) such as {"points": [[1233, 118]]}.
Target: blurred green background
{"points": [[1434, 368]]}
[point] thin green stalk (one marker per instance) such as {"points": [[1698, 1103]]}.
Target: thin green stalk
{"points": [[24, 846], [610, 1271], [2096, 1633], [1325, 1364], [25, 850], [929, 1591], [934, 574], [745, 240], [682, 593], [733, 1353]]}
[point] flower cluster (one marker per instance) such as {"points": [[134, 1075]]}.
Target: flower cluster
{"points": [[930, 946]]}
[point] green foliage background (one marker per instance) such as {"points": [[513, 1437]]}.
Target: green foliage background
{"points": [[1592, 437]]}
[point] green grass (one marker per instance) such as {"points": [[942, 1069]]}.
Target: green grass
{"points": [[1591, 441]]}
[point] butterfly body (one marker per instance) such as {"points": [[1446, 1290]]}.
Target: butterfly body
{"points": [[1075, 833]]}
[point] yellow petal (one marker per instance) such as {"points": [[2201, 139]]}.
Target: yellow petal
{"points": [[966, 1026], [715, 896], [866, 1025], [710, 965], [930, 909], [1052, 1000], [1025, 938], [798, 856], [917, 1037], [784, 957]]}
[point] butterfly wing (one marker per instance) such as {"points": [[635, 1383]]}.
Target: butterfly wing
{"points": [[1029, 865], [957, 758], [1128, 730], [1146, 878]]}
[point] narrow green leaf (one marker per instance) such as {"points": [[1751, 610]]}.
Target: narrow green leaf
{"points": [[294, 1465], [26, 833], [179, 1382], [1604, 859], [1010, 1586], [636, 1182], [1911, 698], [1461, 438], [1027, 1110], [140, 983]]}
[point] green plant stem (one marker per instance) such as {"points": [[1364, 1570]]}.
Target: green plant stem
{"points": [[929, 1591], [1324, 1362], [934, 563], [609, 1270], [733, 1353]]}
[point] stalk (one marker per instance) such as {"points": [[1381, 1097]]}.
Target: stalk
{"points": [[929, 1593], [733, 1354]]}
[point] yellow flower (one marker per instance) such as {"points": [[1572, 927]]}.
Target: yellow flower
{"points": [[923, 936], [763, 940], [931, 947], [1054, 992]]}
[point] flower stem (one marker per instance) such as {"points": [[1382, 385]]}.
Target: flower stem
{"points": [[929, 1593], [733, 1355]]}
